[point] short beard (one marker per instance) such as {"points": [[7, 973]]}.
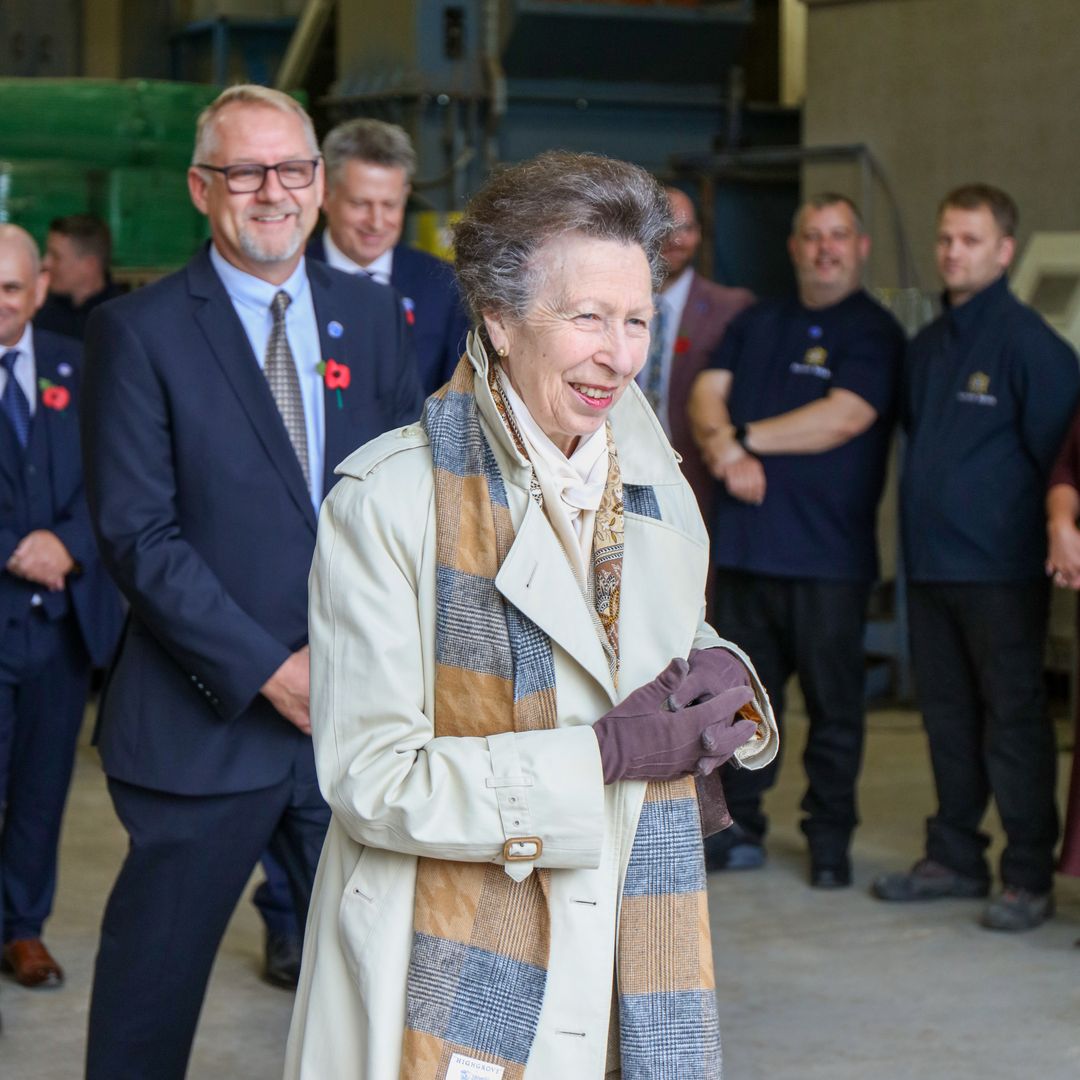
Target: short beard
{"points": [[259, 253]]}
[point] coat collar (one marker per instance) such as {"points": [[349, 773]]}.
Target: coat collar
{"points": [[536, 576]]}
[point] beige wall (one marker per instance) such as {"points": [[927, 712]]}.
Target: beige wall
{"points": [[946, 91]]}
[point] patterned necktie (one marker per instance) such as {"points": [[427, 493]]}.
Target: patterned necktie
{"points": [[280, 371], [654, 366], [14, 402]]}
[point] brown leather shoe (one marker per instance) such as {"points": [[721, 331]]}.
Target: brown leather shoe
{"points": [[31, 964]]}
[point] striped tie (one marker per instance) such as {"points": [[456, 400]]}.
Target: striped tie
{"points": [[653, 383], [280, 371], [14, 402]]}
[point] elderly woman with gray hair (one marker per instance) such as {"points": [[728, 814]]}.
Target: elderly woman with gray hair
{"points": [[512, 886]]}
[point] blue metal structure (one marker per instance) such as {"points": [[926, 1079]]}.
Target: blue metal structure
{"points": [[478, 82]]}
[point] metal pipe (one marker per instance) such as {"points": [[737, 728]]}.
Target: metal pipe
{"points": [[302, 45]]}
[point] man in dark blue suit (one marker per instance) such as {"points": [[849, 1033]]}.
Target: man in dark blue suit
{"points": [[59, 613], [369, 171], [217, 403]]}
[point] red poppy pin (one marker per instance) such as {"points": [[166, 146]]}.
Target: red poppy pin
{"points": [[336, 377], [54, 396], [682, 344]]}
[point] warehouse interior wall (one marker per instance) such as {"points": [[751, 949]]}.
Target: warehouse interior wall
{"points": [[944, 92]]}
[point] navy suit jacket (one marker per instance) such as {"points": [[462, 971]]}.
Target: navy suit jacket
{"points": [[41, 487], [204, 518], [433, 307]]}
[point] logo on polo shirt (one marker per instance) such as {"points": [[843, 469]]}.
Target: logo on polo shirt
{"points": [[978, 390], [813, 363]]}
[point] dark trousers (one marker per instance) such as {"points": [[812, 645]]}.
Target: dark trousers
{"points": [[273, 899], [813, 629], [44, 677], [188, 861], [977, 651]]}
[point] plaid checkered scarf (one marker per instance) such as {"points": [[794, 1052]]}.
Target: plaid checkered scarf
{"points": [[478, 970]]}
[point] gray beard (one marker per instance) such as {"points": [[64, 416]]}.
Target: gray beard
{"points": [[259, 253]]}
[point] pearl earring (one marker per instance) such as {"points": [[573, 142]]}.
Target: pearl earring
{"points": [[504, 351]]}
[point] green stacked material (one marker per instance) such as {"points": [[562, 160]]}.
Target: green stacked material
{"points": [[118, 149]]}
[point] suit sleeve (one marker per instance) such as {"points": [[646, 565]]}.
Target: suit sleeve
{"points": [[128, 448]]}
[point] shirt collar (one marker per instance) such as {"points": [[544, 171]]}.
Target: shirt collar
{"points": [[24, 346], [817, 312], [252, 292], [963, 317], [380, 269]]}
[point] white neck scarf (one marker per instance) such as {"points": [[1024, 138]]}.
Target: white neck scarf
{"points": [[572, 486]]}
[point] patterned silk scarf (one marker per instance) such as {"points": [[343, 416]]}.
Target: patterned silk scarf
{"points": [[481, 942]]}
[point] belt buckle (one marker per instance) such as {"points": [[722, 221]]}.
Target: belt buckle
{"points": [[523, 849]]}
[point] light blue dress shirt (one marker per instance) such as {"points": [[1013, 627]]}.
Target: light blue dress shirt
{"points": [[251, 298]]}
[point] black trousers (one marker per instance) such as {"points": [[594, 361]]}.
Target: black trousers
{"points": [[977, 651], [813, 629], [188, 861]]}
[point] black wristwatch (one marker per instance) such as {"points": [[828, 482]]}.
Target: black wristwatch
{"points": [[741, 435]]}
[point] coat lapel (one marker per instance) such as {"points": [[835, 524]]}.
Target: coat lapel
{"points": [[339, 427], [695, 310], [537, 579], [230, 347], [56, 427]]}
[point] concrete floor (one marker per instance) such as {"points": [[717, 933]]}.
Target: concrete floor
{"points": [[811, 985]]}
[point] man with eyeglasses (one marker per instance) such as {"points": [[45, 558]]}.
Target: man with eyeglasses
{"points": [[217, 403]]}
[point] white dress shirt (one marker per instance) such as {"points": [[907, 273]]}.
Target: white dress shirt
{"points": [[380, 269]]}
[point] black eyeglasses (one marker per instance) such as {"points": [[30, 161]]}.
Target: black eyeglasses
{"points": [[246, 178]]}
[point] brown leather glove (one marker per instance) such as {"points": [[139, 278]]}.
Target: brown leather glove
{"points": [[649, 737]]}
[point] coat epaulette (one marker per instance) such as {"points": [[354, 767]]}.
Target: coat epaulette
{"points": [[363, 462]]}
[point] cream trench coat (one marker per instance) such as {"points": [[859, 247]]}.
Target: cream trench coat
{"points": [[398, 793]]}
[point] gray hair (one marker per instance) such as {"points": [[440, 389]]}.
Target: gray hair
{"points": [[246, 94], [524, 206], [16, 234], [823, 200], [373, 141]]}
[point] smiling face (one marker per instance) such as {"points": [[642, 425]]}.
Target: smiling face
{"points": [[828, 252], [972, 251], [365, 209], [584, 338], [261, 232], [22, 291]]}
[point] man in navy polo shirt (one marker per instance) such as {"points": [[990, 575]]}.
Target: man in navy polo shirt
{"points": [[793, 418], [989, 391]]}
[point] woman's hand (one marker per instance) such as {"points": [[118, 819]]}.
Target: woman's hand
{"points": [[666, 729]]}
